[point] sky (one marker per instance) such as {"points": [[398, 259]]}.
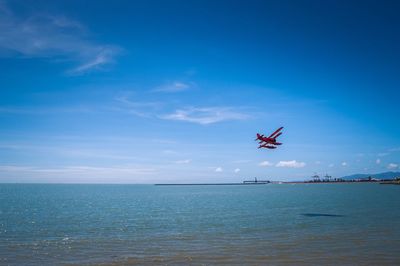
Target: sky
{"points": [[175, 91]]}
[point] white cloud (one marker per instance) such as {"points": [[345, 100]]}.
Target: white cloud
{"points": [[206, 115], [176, 86], [378, 161], [344, 164], [291, 164], [52, 37], [237, 170], [392, 166], [183, 161], [265, 163], [331, 165], [218, 169]]}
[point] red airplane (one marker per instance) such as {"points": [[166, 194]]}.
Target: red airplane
{"points": [[269, 142]]}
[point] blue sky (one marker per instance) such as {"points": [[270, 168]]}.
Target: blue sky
{"points": [[175, 91]]}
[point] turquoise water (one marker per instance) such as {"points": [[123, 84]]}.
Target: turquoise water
{"points": [[341, 224]]}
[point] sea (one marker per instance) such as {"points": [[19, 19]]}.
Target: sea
{"points": [[273, 224]]}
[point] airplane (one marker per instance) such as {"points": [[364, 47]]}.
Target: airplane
{"points": [[269, 142]]}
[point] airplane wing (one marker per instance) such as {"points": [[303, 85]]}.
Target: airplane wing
{"points": [[276, 132], [280, 133]]}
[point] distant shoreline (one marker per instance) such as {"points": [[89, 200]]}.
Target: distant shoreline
{"points": [[276, 182], [212, 184]]}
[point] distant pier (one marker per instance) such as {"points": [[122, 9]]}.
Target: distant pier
{"points": [[246, 182], [256, 182]]}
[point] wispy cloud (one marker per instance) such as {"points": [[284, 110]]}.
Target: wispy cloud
{"points": [[241, 161], [18, 110], [344, 163], [88, 170], [53, 37], [95, 153], [101, 56], [382, 154], [176, 86], [164, 141], [291, 164], [77, 174], [138, 104], [198, 115], [70, 152], [205, 115], [237, 170], [186, 161], [142, 109], [169, 152], [392, 166], [378, 161]]}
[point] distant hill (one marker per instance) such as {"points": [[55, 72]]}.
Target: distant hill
{"points": [[386, 175]]}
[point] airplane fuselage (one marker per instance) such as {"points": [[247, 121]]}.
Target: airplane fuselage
{"points": [[267, 140]]}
